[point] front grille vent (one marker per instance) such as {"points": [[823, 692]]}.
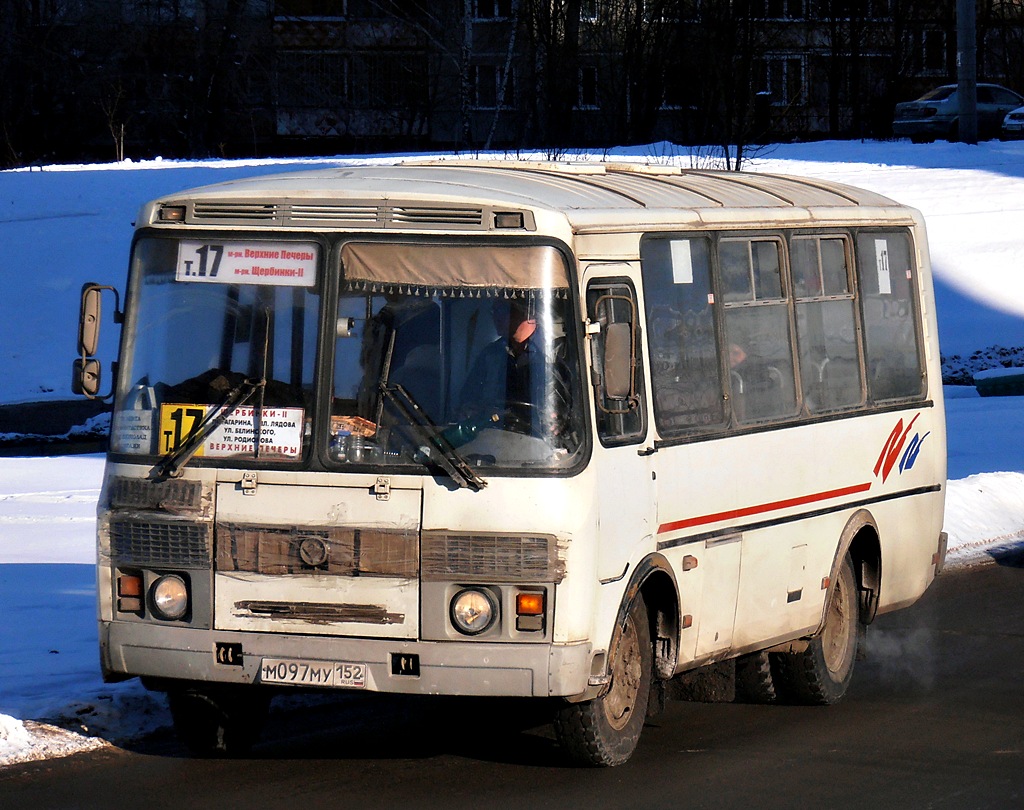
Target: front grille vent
{"points": [[174, 495], [156, 542], [491, 558]]}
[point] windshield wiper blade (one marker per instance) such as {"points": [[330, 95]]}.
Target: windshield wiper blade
{"points": [[448, 458], [170, 465]]}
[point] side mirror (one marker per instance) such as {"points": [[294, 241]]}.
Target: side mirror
{"points": [[85, 378], [618, 360], [89, 320], [86, 373], [617, 378]]}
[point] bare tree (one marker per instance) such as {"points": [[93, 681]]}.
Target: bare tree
{"points": [[554, 40], [633, 42]]}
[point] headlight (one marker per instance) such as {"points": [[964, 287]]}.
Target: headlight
{"points": [[169, 597], [473, 611]]}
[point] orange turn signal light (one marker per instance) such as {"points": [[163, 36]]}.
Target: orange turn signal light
{"points": [[129, 585], [129, 593], [530, 604]]}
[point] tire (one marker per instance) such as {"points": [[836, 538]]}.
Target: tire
{"points": [[217, 723], [821, 674], [754, 681], [605, 731]]}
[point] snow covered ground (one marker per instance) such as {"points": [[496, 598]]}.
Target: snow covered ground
{"points": [[61, 226]]}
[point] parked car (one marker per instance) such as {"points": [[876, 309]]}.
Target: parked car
{"points": [[936, 115], [1013, 125]]}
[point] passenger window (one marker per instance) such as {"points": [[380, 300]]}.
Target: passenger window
{"points": [[686, 373], [617, 373], [892, 348], [830, 370], [757, 331], [750, 270]]}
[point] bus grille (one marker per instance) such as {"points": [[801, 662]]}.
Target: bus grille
{"points": [[342, 551], [491, 558], [175, 495], [153, 542]]}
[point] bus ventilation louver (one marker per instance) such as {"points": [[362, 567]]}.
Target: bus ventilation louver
{"points": [[258, 212], [351, 215], [151, 542], [491, 558], [438, 216]]}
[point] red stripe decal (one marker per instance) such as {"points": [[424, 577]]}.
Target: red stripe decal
{"points": [[762, 508]]}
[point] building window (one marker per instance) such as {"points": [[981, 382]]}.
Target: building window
{"points": [[877, 9], [488, 87], [778, 9], [313, 79], [492, 9], [384, 80], [931, 52], [672, 90], [782, 79], [588, 98], [311, 8]]}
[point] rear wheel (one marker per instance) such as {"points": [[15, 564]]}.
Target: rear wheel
{"points": [[605, 731], [821, 674]]}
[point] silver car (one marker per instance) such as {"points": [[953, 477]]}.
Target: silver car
{"points": [[1013, 125], [936, 115]]}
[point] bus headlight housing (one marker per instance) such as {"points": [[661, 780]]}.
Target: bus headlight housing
{"points": [[169, 597], [473, 610]]}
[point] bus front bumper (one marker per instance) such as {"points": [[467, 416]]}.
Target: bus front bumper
{"points": [[131, 649]]}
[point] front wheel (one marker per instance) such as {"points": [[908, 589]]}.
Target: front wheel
{"points": [[821, 674], [217, 722], [605, 731]]}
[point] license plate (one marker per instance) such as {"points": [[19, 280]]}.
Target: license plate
{"points": [[298, 672]]}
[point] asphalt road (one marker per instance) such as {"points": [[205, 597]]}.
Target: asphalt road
{"points": [[935, 719]]}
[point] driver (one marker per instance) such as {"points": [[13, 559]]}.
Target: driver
{"points": [[513, 382]]}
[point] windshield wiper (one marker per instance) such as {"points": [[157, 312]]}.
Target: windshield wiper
{"points": [[447, 458], [170, 465]]}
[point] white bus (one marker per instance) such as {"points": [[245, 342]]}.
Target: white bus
{"points": [[513, 429]]}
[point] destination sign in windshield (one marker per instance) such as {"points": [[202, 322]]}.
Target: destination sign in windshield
{"points": [[279, 264]]}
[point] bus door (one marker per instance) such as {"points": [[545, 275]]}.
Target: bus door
{"points": [[625, 490]]}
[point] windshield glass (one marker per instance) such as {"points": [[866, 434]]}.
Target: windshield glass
{"points": [[478, 338], [219, 329]]}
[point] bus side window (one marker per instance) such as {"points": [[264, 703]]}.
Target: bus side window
{"points": [[826, 329], [617, 373], [686, 374], [757, 330], [886, 283]]}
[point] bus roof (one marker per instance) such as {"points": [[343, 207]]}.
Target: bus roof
{"points": [[465, 194]]}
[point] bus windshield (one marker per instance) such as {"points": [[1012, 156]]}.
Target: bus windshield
{"points": [[440, 352], [224, 331], [472, 344]]}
